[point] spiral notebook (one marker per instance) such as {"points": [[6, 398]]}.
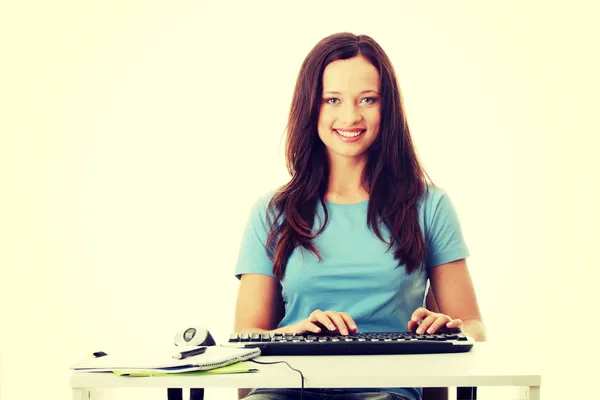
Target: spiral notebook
{"points": [[163, 361]]}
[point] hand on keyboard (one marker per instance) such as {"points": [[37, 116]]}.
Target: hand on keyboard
{"points": [[432, 322], [326, 321]]}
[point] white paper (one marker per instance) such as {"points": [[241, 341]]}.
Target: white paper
{"points": [[162, 359]]}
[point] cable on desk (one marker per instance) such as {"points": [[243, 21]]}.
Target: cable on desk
{"points": [[471, 394], [285, 362]]}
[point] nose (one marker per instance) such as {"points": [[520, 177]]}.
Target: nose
{"points": [[350, 114]]}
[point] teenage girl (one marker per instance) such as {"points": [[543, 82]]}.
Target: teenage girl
{"points": [[351, 241]]}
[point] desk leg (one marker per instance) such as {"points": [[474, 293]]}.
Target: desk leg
{"points": [[81, 394], [177, 394], [196, 394], [534, 393]]}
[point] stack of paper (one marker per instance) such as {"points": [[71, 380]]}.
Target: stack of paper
{"points": [[162, 362]]}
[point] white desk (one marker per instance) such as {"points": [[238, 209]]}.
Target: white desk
{"points": [[487, 364]]}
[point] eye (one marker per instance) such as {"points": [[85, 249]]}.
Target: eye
{"points": [[329, 101], [371, 100]]}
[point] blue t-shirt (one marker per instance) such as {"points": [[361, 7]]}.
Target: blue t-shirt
{"points": [[357, 275]]}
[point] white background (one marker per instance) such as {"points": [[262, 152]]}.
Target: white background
{"points": [[135, 136]]}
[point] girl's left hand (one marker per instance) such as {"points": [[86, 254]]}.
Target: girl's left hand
{"points": [[431, 322]]}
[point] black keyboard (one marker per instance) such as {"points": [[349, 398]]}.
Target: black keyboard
{"points": [[353, 344]]}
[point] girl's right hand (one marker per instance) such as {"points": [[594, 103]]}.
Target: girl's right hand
{"points": [[331, 321]]}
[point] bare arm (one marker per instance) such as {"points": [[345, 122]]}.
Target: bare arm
{"points": [[259, 306], [455, 295]]}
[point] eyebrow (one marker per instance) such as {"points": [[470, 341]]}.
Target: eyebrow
{"points": [[363, 92]]}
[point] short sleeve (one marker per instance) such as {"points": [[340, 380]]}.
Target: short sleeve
{"points": [[444, 234], [252, 256]]}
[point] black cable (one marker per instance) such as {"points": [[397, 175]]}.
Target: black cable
{"points": [[471, 394], [292, 368]]}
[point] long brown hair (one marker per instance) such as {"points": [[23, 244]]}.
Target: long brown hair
{"points": [[393, 175]]}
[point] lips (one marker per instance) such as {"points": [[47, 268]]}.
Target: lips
{"points": [[349, 132], [349, 135]]}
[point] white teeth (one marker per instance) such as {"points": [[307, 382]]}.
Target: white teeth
{"points": [[349, 134]]}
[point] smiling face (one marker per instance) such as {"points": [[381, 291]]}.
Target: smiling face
{"points": [[350, 107]]}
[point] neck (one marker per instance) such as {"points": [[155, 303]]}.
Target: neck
{"points": [[345, 180]]}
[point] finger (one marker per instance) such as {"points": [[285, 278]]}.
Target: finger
{"points": [[308, 326], [412, 326], [455, 324], [316, 317], [323, 319], [349, 321], [420, 313], [313, 315], [440, 322], [338, 321], [427, 323]]}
